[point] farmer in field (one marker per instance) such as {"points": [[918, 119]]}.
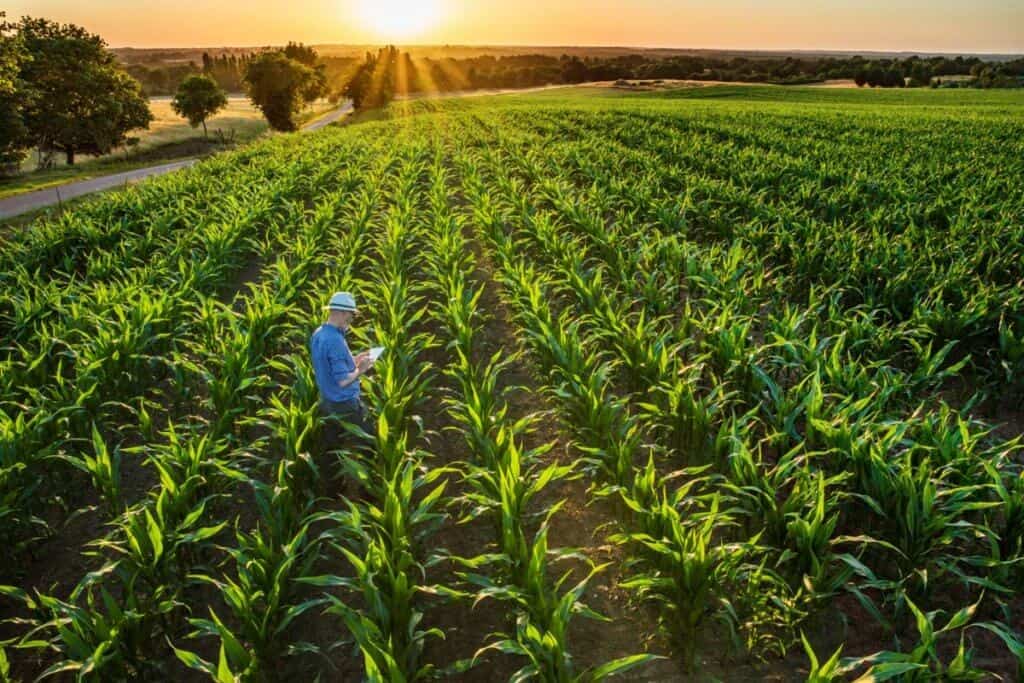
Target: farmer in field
{"points": [[338, 372]]}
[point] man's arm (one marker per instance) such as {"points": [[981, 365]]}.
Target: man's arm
{"points": [[363, 363], [340, 361]]}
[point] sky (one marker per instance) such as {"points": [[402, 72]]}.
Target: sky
{"points": [[992, 26]]}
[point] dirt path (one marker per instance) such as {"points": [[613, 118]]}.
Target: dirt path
{"points": [[328, 119]]}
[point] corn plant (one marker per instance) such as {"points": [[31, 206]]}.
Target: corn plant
{"points": [[924, 518], [103, 639], [1011, 349], [822, 672], [924, 662], [790, 508], [544, 642], [685, 419], [261, 600], [387, 628], [104, 468], [689, 574], [1006, 522]]}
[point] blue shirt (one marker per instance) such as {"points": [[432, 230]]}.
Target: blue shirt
{"points": [[332, 362]]}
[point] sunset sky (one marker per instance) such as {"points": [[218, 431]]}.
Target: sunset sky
{"points": [[936, 26]]}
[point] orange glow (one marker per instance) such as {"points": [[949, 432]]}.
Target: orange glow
{"points": [[912, 25], [399, 19]]}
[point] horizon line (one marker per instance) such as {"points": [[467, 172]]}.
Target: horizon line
{"points": [[549, 46]]}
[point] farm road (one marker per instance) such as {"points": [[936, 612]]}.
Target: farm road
{"points": [[32, 201], [329, 118]]}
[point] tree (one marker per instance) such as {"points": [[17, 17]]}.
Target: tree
{"points": [[573, 70], [198, 98], [14, 94], [303, 54], [875, 75], [83, 101], [373, 84], [279, 87], [893, 78], [11, 54], [308, 56], [920, 74], [358, 87]]}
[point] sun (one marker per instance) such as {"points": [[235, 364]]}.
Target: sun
{"points": [[399, 18]]}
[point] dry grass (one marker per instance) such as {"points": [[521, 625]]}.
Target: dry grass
{"points": [[167, 128]]}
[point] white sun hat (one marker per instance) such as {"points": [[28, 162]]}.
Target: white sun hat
{"points": [[342, 301]]}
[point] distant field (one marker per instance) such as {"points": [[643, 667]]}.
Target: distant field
{"points": [[740, 369], [240, 115], [971, 100], [783, 97]]}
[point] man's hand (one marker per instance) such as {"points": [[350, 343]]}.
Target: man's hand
{"points": [[363, 361]]}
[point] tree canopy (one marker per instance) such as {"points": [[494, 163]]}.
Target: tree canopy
{"points": [[14, 94], [83, 101], [374, 82], [280, 86], [11, 55], [198, 98]]}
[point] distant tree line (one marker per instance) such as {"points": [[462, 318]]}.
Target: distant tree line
{"points": [[280, 83], [912, 71], [917, 72], [228, 71], [390, 72]]}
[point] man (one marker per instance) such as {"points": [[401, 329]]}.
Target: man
{"points": [[337, 372]]}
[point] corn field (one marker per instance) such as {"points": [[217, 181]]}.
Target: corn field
{"points": [[722, 387]]}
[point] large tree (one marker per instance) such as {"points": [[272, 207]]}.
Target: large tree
{"points": [[14, 95], [304, 54], [198, 98], [374, 82], [84, 101], [280, 86], [358, 87]]}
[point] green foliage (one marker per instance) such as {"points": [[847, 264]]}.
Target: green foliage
{"points": [[373, 84], [14, 96], [104, 467], [822, 672], [280, 86], [198, 98], [924, 662], [83, 101]]}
